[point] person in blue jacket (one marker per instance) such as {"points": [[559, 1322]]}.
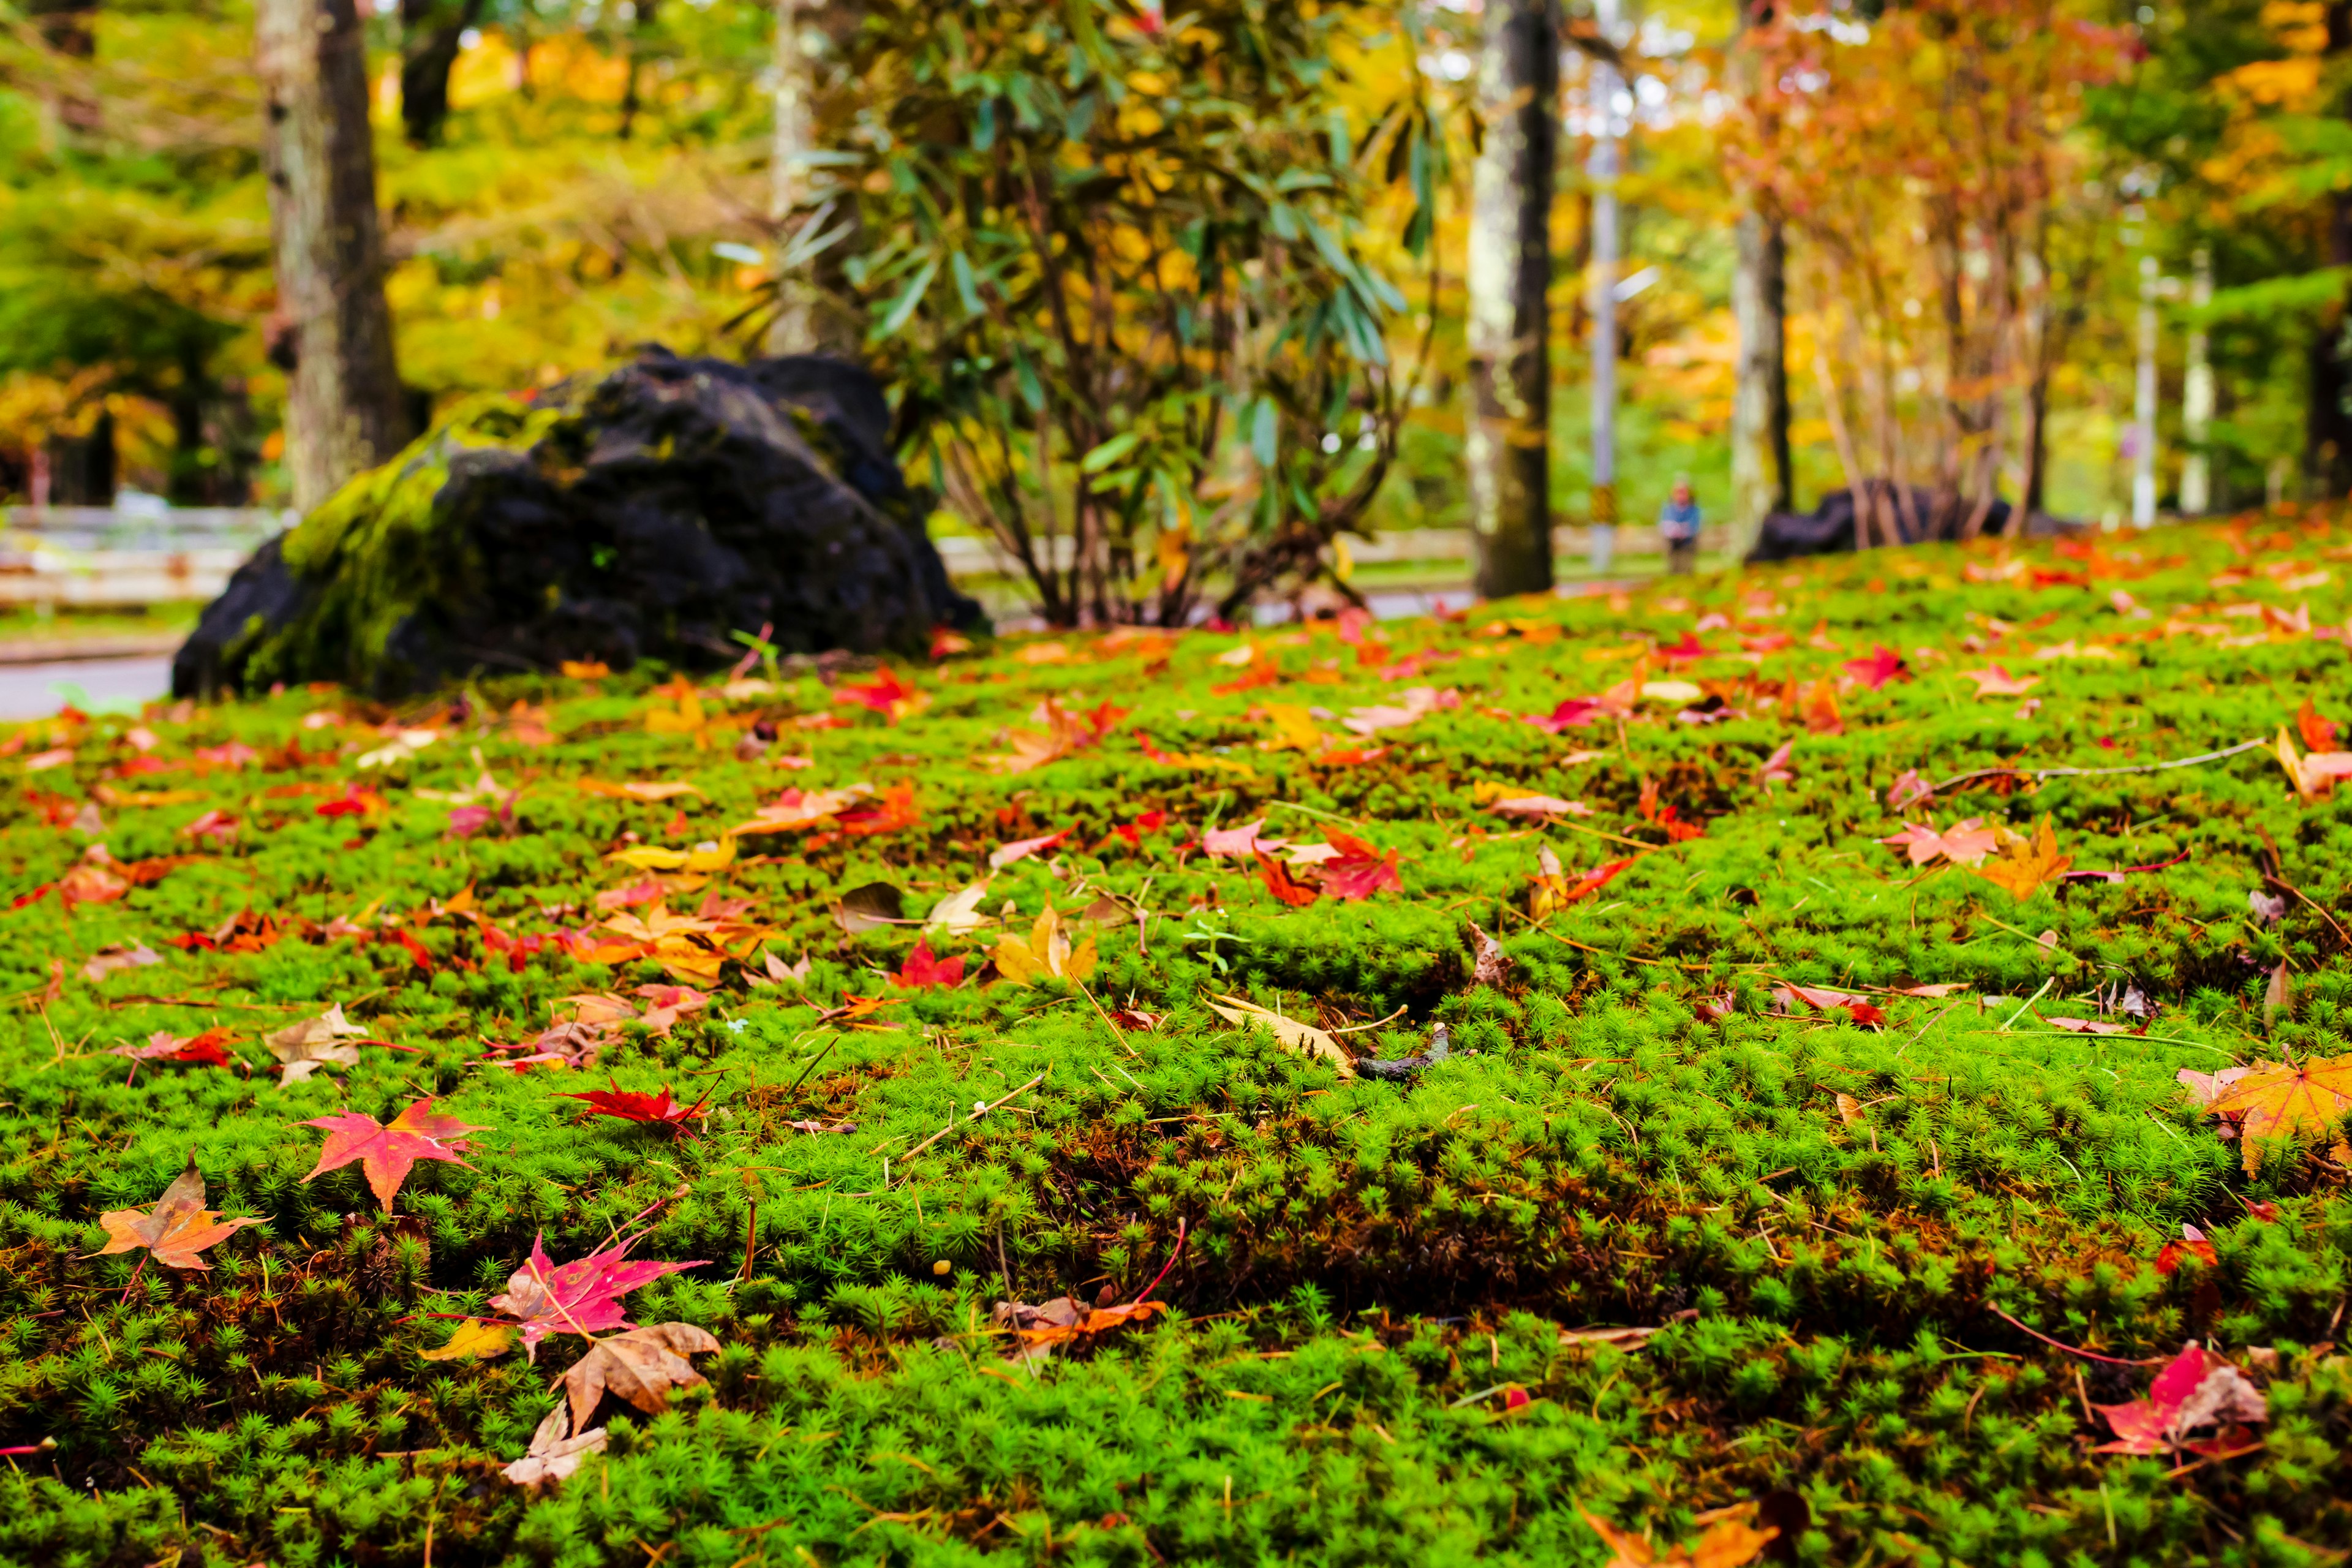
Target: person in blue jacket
{"points": [[1678, 526]]}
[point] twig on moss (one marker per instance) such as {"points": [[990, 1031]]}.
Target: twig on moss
{"points": [[2285, 886], [2038, 774], [2071, 1350]]}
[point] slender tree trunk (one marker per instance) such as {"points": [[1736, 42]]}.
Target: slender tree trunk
{"points": [[431, 33], [814, 313], [2327, 428], [1759, 404], [343, 410], [1509, 328]]}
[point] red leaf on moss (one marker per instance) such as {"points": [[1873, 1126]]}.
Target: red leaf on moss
{"points": [[1883, 665], [196, 1050], [922, 969], [895, 812], [2196, 1389], [582, 1296], [630, 1105], [882, 694], [1360, 871], [2192, 1244], [386, 1151], [2318, 733]]}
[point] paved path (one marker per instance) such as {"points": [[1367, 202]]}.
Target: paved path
{"points": [[36, 690]]}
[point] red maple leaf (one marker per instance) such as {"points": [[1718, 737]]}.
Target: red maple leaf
{"points": [[2198, 1388], [1860, 1010], [386, 1149], [879, 694], [1574, 713], [894, 812], [1360, 871], [197, 1050], [582, 1296], [630, 1105], [2193, 1243], [922, 969], [1883, 665], [1683, 652], [2318, 733]]}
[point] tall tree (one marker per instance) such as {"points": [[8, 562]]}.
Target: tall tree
{"points": [[1760, 478], [343, 408], [1508, 448], [2327, 430], [431, 33]]}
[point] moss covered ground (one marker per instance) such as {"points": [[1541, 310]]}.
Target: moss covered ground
{"points": [[1882, 1161]]}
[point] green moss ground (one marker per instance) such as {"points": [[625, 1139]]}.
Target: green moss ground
{"points": [[1368, 1266]]}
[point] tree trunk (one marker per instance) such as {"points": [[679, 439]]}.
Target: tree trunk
{"points": [[343, 410], [2327, 427], [1509, 444], [1759, 406], [431, 33], [813, 313]]}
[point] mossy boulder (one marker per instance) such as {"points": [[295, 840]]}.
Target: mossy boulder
{"points": [[649, 512]]}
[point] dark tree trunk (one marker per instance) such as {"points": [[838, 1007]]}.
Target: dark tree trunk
{"points": [[2327, 425], [343, 410], [431, 33], [1509, 328], [81, 468]]}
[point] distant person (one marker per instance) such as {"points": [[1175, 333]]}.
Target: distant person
{"points": [[1678, 526]]}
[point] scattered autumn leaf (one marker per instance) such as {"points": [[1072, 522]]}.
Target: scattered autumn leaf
{"points": [[2027, 864], [1553, 890], [1997, 682], [1047, 954], [2193, 1243], [386, 1151], [552, 1455], [1964, 843], [2195, 1389], [583, 1297], [2318, 734], [177, 1228], [478, 1339], [107, 960], [922, 969], [1004, 855], [302, 1049], [162, 1046], [632, 1105], [1727, 1543], [1883, 665], [1292, 1035], [641, 1366], [2284, 1099]]}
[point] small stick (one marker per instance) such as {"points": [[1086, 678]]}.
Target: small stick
{"points": [[2285, 886], [2070, 1350], [975, 1116], [2040, 774]]}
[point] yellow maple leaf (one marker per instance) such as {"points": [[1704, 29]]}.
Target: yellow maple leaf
{"points": [[1047, 954], [477, 1337], [1727, 1543], [2286, 1099], [2028, 863], [1290, 1033]]}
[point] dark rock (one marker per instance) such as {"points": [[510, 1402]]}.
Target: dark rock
{"points": [[647, 513], [1830, 526], [1441, 1045]]}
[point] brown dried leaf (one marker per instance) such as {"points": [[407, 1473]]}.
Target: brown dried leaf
{"points": [[641, 1366]]}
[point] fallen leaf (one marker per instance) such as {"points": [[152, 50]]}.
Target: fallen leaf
{"points": [[177, 1228], [1237, 843], [1542, 807], [886, 694], [386, 1151], [1290, 1033], [2193, 1243], [2088, 1026], [2318, 734], [797, 811], [162, 1046], [478, 1339], [1065, 733], [1964, 843], [302, 1049], [2285, 1099], [582, 1296], [642, 1366], [1492, 965], [1359, 871], [631, 1105], [2197, 1388], [2312, 777], [554, 1457], [1004, 855], [1883, 665], [1047, 954], [1777, 769], [1288, 888], [1861, 1009], [2029, 864], [1725, 1543], [107, 960], [958, 913], [1552, 889], [1997, 682], [921, 969]]}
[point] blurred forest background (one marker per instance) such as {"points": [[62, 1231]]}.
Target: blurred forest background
{"points": [[1972, 195]]}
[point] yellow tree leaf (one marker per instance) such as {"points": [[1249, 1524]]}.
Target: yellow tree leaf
{"points": [[1290, 1033], [2029, 864], [2286, 1099], [477, 1337]]}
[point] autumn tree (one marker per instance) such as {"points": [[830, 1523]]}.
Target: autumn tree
{"points": [[1507, 450], [343, 408], [1762, 482]]}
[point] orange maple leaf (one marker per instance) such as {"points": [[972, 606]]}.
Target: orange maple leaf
{"points": [[177, 1228], [2284, 1099], [2029, 864], [1727, 1543], [387, 1150]]}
